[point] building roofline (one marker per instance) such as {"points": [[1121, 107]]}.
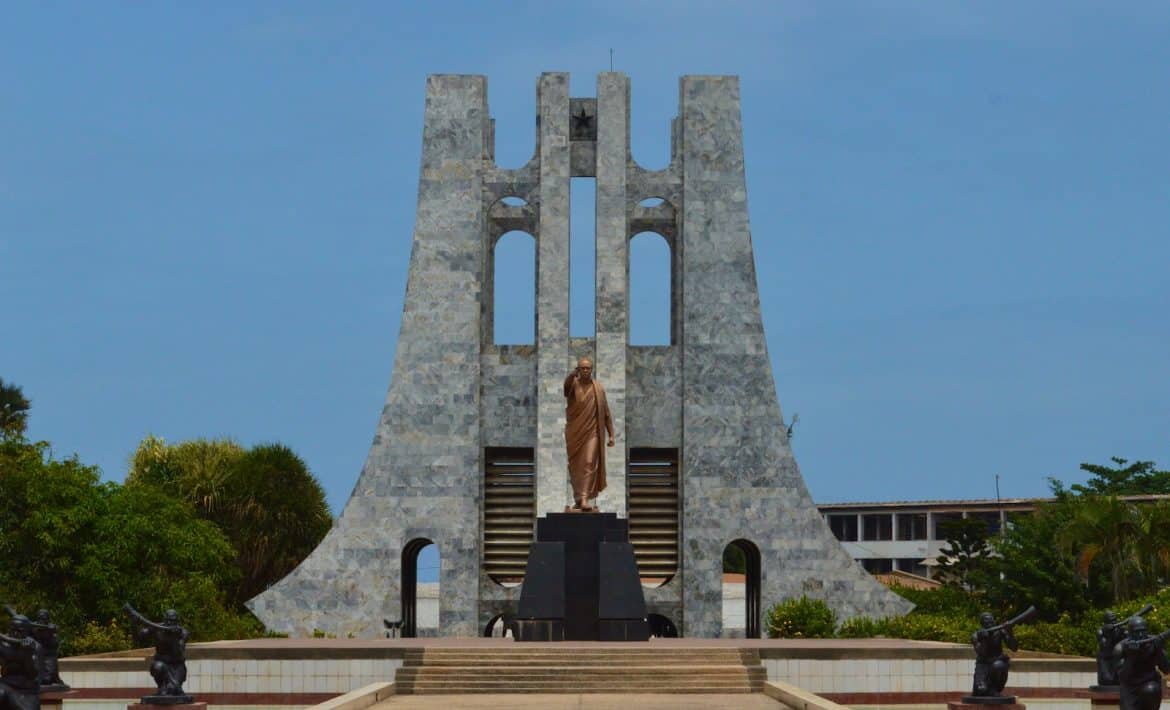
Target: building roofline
{"points": [[971, 503]]}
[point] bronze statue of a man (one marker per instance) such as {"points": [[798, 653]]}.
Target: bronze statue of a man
{"points": [[1140, 656], [587, 421], [168, 667], [20, 668], [991, 663]]}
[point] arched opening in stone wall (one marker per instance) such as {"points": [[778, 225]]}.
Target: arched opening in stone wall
{"points": [[498, 627], [661, 627], [650, 289], [420, 588], [514, 289], [741, 589]]}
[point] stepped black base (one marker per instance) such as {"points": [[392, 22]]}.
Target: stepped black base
{"points": [[563, 598]]}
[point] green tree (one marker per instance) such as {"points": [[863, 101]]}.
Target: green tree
{"points": [[966, 557], [734, 561], [81, 548], [264, 499], [1124, 479], [195, 470], [1102, 536], [14, 408], [1028, 565], [275, 514]]}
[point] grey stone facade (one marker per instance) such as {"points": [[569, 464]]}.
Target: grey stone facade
{"points": [[709, 394]]}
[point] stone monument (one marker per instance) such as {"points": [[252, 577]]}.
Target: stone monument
{"points": [[470, 447]]}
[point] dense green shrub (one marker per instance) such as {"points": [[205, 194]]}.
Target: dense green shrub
{"points": [[801, 618], [861, 627], [941, 600], [94, 637], [930, 627], [1068, 636]]}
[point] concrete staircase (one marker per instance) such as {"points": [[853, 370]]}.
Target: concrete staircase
{"points": [[579, 669]]}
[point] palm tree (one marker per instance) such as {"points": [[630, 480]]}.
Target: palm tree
{"points": [[1104, 534], [13, 410], [275, 514]]}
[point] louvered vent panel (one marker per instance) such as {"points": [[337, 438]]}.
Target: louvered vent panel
{"points": [[509, 512], [652, 484]]}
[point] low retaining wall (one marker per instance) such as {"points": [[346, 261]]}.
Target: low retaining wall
{"points": [[304, 672], [921, 673]]}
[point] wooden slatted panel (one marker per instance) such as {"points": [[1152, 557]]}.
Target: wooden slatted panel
{"points": [[509, 512], [652, 485]]}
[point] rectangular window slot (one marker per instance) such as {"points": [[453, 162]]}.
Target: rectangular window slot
{"points": [[582, 257]]}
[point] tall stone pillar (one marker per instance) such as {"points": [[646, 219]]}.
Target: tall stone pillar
{"points": [[613, 259], [552, 293]]}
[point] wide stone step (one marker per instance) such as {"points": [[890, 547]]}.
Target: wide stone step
{"points": [[555, 672], [532, 666], [573, 663], [569, 669], [593, 661], [571, 687], [579, 653]]}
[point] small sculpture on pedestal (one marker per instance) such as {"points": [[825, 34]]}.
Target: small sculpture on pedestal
{"points": [[46, 634], [1140, 656], [169, 664], [991, 663], [1109, 635], [20, 668]]}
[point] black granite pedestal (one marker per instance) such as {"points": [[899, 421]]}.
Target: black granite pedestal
{"points": [[582, 583]]}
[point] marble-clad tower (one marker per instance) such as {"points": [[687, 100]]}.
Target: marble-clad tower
{"points": [[469, 448]]}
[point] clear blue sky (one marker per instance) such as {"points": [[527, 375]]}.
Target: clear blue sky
{"points": [[960, 214]]}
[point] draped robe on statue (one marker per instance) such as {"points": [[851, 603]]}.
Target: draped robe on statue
{"points": [[587, 421]]}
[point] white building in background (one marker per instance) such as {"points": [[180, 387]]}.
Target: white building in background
{"points": [[427, 600], [906, 535]]}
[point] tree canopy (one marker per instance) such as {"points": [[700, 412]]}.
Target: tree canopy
{"points": [[14, 408], [199, 526], [264, 499]]}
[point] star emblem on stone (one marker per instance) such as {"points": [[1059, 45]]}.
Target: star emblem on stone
{"points": [[582, 122]]}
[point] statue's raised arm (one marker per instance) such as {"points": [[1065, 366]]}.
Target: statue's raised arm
{"points": [[16, 640], [133, 613]]}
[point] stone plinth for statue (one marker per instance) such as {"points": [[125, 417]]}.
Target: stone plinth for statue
{"points": [[1104, 695], [582, 582], [56, 698]]}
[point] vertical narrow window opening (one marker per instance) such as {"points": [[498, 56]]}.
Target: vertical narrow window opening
{"points": [[582, 256], [650, 289], [514, 289]]}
